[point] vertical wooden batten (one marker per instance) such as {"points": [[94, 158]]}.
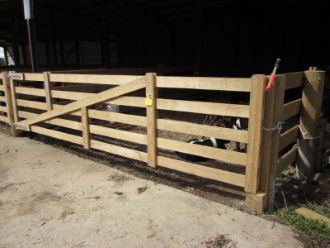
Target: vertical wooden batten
{"points": [[151, 118], [85, 128], [48, 94]]}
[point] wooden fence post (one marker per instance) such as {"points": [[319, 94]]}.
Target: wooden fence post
{"points": [[274, 101], [48, 94], [150, 103], [308, 141], [9, 103], [254, 202]]}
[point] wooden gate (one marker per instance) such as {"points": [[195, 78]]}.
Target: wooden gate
{"points": [[41, 102]]}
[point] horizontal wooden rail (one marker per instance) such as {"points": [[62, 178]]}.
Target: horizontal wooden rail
{"points": [[202, 171], [2, 88], [92, 78], [38, 77], [4, 119], [3, 109], [204, 151], [294, 80], [30, 91], [287, 159], [203, 130], [57, 134], [205, 83], [2, 99], [291, 109], [288, 137], [118, 150]]}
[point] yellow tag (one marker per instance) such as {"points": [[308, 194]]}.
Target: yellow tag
{"points": [[148, 101]]}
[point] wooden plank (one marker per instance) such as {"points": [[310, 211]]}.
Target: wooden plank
{"points": [[2, 88], [101, 97], [3, 109], [202, 171], [287, 159], [32, 104], [310, 123], [57, 134], [288, 137], [258, 84], [210, 108], [120, 151], [294, 80], [48, 92], [205, 83], [30, 91], [291, 109], [92, 78], [119, 134], [33, 77], [119, 117], [312, 215], [203, 130], [233, 157], [4, 119], [151, 119], [85, 127], [2, 99]]}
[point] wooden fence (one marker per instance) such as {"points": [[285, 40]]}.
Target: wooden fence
{"points": [[67, 107]]}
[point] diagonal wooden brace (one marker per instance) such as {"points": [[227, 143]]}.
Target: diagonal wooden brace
{"points": [[88, 101]]}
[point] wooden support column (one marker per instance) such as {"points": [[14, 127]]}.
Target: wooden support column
{"points": [[151, 118], [85, 128], [48, 92], [9, 105], [274, 101], [309, 137], [254, 201]]}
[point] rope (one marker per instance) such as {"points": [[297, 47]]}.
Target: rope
{"points": [[278, 128]]}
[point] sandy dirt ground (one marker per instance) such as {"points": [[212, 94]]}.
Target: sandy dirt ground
{"points": [[51, 198]]}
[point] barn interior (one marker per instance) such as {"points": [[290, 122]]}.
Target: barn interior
{"points": [[193, 37]]}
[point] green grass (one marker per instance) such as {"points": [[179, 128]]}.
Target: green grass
{"points": [[314, 233]]}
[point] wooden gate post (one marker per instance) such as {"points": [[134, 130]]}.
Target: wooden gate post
{"points": [[9, 103], [254, 201], [274, 100], [308, 141], [150, 102]]}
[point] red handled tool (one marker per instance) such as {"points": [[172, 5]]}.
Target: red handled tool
{"points": [[272, 76]]}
